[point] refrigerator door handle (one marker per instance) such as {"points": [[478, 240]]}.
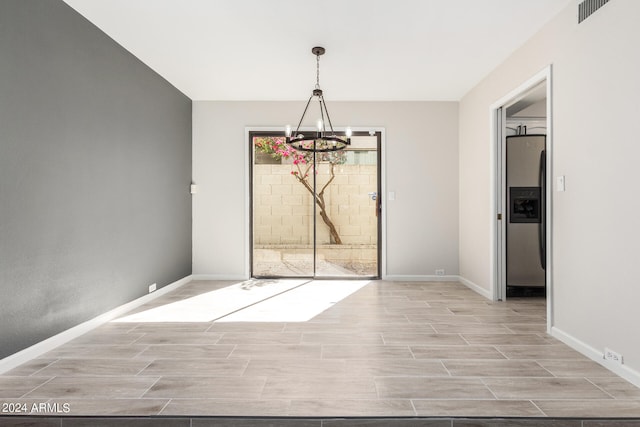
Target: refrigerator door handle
{"points": [[542, 227]]}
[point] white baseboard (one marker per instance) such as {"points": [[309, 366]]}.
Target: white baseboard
{"points": [[57, 340], [478, 289], [594, 354], [218, 277], [407, 278]]}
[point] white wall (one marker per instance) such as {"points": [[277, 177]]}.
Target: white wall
{"points": [[421, 153], [596, 234]]}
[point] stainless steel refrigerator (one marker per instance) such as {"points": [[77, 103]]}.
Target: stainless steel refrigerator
{"points": [[526, 233]]}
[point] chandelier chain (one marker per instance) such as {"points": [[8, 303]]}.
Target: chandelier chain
{"points": [[317, 71]]}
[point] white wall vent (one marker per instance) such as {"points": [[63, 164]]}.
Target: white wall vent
{"points": [[588, 7]]}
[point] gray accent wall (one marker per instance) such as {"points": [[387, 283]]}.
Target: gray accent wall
{"points": [[95, 168]]}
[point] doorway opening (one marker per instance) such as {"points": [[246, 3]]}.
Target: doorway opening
{"points": [[315, 215], [522, 203]]}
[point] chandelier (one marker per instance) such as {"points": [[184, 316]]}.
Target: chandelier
{"points": [[324, 138]]}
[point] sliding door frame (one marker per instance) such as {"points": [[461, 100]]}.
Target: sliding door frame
{"points": [[251, 132]]}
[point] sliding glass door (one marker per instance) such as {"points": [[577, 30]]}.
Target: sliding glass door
{"points": [[315, 214]]}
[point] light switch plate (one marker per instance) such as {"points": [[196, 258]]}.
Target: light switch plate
{"points": [[392, 195], [560, 184]]}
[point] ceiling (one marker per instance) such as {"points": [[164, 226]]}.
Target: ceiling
{"points": [[376, 49]]}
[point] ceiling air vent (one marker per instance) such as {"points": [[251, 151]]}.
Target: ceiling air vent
{"points": [[588, 7]]}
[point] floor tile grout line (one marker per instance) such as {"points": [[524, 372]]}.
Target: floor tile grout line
{"points": [[33, 374], [246, 366], [600, 388], [464, 339], [209, 328], [489, 388], [264, 385], [143, 334], [149, 388], [24, 396], [539, 409], [505, 356], [235, 346], [537, 361], [137, 355], [143, 369], [375, 385], [415, 411], [132, 328], [222, 334], [165, 406], [445, 367], [384, 342]]}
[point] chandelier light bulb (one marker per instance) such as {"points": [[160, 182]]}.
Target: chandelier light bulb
{"points": [[287, 131], [348, 132], [320, 125]]}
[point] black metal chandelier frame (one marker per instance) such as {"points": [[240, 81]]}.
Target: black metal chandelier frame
{"points": [[325, 139]]}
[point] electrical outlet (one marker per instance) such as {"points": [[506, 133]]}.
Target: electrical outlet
{"points": [[152, 288], [612, 356], [440, 272]]}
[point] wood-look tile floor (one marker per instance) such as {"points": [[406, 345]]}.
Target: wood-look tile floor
{"points": [[389, 349]]}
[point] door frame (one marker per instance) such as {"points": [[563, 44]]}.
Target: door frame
{"points": [[498, 190], [248, 158]]}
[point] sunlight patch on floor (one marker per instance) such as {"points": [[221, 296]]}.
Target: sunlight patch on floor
{"points": [[298, 305], [212, 305]]}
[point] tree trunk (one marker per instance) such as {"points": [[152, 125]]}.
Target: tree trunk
{"points": [[319, 198], [335, 237]]}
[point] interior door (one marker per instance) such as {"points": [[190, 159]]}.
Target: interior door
{"points": [[315, 214]]}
